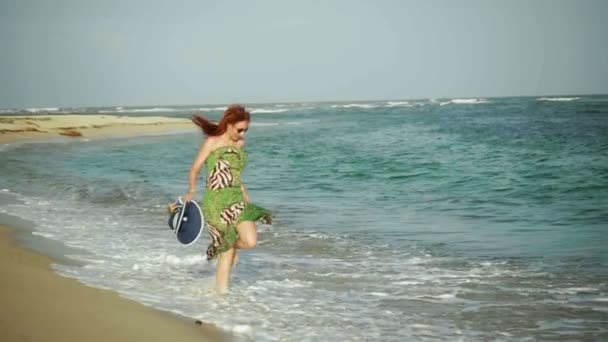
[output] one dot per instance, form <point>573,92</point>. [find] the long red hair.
<point>233,114</point>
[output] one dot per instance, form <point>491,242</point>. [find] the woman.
<point>229,216</point>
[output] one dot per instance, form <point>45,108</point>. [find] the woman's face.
<point>238,130</point>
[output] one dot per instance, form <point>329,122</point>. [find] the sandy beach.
<point>39,305</point>
<point>44,127</point>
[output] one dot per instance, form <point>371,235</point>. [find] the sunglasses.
<point>241,130</point>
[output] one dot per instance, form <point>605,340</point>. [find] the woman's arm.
<point>241,143</point>
<point>195,169</point>
<point>244,192</point>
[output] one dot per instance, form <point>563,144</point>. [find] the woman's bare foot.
<point>222,290</point>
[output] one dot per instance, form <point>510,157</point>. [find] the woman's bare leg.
<point>248,235</point>
<point>248,238</point>
<point>222,273</point>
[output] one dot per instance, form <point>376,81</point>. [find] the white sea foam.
<point>446,296</point>
<point>268,110</point>
<point>46,235</point>
<point>398,104</point>
<point>242,329</point>
<point>282,289</point>
<point>316,235</point>
<point>282,109</point>
<point>406,282</point>
<point>285,283</point>
<point>463,101</point>
<point>558,99</point>
<point>468,101</point>
<point>139,110</point>
<point>355,105</point>
<point>37,110</point>
<point>264,124</point>
<point>574,290</point>
<point>212,109</point>
<point>150,110</point>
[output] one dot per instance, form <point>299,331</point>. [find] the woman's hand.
<point>246,197</point>
<point>189,196</point>
<point>245,194</point>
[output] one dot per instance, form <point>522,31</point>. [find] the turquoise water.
<point>430,219</point>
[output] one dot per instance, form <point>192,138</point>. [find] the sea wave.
<point>253,111</point>
<point>212,109</point>
<point>398,104</point>
<point>558,99</point>
<point>38,110</point>
<point>268,110</point>
<point>150,110</point>
<point>264,124</point>
<point>463,101</point>
<point>138,110</point>
<point>269,124</point>
<point>355,105</point>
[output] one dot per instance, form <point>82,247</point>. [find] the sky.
<point>70,53</point>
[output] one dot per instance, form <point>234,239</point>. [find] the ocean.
<point>435,219</point>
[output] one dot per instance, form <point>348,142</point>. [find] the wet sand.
<point>37,304</point>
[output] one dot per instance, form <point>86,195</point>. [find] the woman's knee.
<point>249,241</point>
<point>248,235</point>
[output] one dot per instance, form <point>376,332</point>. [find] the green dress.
<point>224,205</point>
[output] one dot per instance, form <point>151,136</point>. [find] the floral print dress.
<point>224,205</point>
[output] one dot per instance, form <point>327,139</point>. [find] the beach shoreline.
<point>78,127</point>
<point>41,305</point>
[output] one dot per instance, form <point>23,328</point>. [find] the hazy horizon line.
<point>246,103</point>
